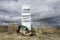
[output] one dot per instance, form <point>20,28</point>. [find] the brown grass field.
<point>9,33</point>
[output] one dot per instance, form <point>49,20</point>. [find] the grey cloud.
<point>46,8</point>
<point>40,9</point>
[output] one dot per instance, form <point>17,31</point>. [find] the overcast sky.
<point>12,7</point>
<point>41,8</point>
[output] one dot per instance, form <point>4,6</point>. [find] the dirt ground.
<point>15,36</point>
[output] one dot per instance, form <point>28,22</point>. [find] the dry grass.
<point>12,28</point>
<point>3,29</point>
<point>40,33</point>
<point>14,36</point>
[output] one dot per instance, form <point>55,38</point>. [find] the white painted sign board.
<point>26,16</point>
